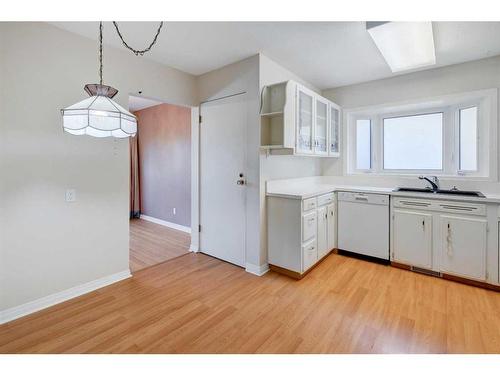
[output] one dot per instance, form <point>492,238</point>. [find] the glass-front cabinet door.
<point>334,130</point>
<point>304,122</point>
<point>321,127</point>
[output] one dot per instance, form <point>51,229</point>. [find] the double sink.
<point>435,189</point>
<point>442,191</point>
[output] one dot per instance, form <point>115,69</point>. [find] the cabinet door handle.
<point>423,224</point>
<point>449,248</point>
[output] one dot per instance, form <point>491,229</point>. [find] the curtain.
<point>135,196</point>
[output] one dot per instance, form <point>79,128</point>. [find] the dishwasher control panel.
<point>363,198</point>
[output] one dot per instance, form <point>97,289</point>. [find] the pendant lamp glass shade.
<point>99,116</point>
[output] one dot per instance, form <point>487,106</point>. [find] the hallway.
<point>152,243</point>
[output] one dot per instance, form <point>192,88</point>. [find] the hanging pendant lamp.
<point>98,115</point>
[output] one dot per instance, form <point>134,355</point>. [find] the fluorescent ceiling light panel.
<point>404,45</point>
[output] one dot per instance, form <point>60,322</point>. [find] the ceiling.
<point>136,103</point>
<point>326,54</point>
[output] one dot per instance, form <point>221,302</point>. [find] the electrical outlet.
<point>70,195</point>
<point>173,210</point>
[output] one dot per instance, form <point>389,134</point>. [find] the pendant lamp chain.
<point>135,51</point>
<point>100,53</point>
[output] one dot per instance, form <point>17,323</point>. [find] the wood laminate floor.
<point>198,304</point>
<point>152,243</point>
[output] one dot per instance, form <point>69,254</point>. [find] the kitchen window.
<point>363,144</point>
<point>413,142</point>
<point>447,136</point>
<point>468,139</point>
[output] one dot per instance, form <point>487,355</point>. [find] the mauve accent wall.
<point>165,162</point>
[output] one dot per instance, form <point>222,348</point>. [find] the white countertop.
<point>305,191</point>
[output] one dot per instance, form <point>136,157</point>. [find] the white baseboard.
<point>166,223</point>
<point>53,299</point>
<point>257,270</point>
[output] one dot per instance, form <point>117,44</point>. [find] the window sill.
<point>429,173</point>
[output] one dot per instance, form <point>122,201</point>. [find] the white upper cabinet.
<point>321,127</point>
<point>334,130</point>
<point>296,120</point>
<point>305,119</point>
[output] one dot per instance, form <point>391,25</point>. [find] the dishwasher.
<point>363,224</point>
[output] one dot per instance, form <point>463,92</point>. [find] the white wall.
<point>250,75</point>
<point>481,74</point>
<point>46,244</point>
<point>274,167</point>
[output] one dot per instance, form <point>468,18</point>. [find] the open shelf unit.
<point>277,117</point>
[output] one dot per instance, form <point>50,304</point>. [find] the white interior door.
<point>222,179</point>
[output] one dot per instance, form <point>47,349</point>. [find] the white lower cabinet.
<point>449,237</point>
<point>412,238</point>
<point>309,226</point>
<point>463,246</point>
<point>322,231</point>
<point>310,254</point>
<point>326,224</point>
<point>331,227</point>
<point>300,232</point>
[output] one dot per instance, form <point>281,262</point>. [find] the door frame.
<point>195,170</point>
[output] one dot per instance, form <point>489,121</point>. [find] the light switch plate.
<point>70,195</point>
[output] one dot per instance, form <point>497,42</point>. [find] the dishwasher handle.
<point>361,198</point>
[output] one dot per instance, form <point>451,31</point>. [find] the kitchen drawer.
<point>310,255</point>
<point>309,204</point>
<point>462,207</point>
<point>325,199</point>
<point>441,206</point>
<point>412,203</point>
<point>309,226</point>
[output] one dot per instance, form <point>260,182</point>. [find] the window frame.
<point>450,106</point>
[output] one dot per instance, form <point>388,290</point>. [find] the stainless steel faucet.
<point>433,180</point>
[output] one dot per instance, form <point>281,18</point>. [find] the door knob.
<point>240,182</point>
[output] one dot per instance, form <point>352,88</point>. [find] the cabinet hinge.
<point>199,119</point>
<point>199,228</point>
